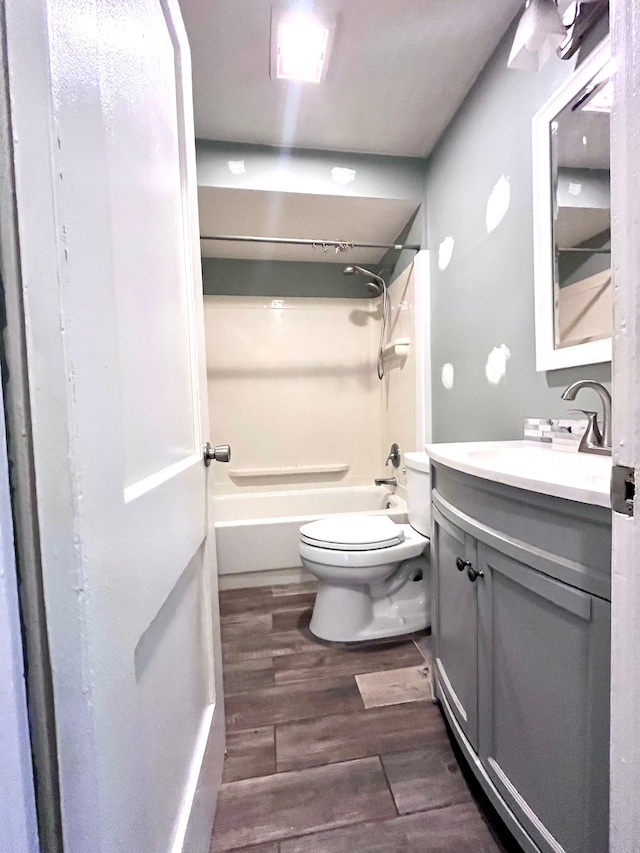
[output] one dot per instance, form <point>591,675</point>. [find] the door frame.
<point>422,336</point>
<point>21,476</point>
<point>625,580</point>
<point>18,820</point>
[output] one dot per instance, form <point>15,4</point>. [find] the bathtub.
<point>259,532</point>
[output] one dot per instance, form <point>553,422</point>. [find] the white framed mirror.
<point>572,219</point>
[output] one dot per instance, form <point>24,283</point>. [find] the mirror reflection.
<point>582,216</point>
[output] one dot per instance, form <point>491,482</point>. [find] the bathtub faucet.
<point>386,481</point>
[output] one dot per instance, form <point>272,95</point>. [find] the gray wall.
<point>394,263</point>
<point>234,277</point>
<point>308,171</point>
<point>485,296</point>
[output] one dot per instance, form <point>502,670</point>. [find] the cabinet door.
<point>455,621</point>
<point>543,694</point>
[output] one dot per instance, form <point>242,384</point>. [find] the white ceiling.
<point>398,71</point>
<point>298,216</point>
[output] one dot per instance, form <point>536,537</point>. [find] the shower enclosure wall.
<point>293,387</point>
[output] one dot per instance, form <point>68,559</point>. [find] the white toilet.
<point>374,574</point>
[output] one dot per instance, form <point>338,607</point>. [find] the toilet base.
<point>358,613</point>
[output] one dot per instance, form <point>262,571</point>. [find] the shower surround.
<point>293,388</point>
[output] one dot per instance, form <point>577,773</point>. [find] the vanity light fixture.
<point>300,45</point>
<point>580,18</point>
<point>543,32</point>
<point>538,37</point>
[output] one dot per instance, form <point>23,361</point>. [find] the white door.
<point>625,589</point>
<point>106,196</point>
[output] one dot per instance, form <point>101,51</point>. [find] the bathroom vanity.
<point>521,624</point>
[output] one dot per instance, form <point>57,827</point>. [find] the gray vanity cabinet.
<point>543,698</point>
<point>522,657</point>
<point>457,661</point>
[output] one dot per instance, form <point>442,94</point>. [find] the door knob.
<point>221,453</point>
<point>473,574</point>
<point>461,564</point>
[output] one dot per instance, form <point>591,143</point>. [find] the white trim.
<point>450,690</point>
<point>250,580</point>
<point>625,577</point>
<point>18,823</point>
<point>28,53</point>
<point>422,335</point>
<point>480,772</point>
<point>195,772</point>
<point>503,780</point>
<point>547,356</point>
<point>193,828</point>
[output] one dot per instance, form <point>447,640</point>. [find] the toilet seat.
<point>362,533</point>
<point>412,545</point>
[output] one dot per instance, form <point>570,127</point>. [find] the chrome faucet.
<point>386,481</point>
<point>394,456</point>
<point>593,440</point>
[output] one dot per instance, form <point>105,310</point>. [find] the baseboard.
<point>245,580</point>
<point>195,825</point>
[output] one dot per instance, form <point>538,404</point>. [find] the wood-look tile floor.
<point>318,762</point>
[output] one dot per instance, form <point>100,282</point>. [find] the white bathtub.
<point>259,532</point>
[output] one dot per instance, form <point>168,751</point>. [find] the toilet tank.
<point>418,491</point>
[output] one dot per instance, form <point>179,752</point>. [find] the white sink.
<point>582,477</point>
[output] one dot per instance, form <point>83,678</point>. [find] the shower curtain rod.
<point>338,245</point>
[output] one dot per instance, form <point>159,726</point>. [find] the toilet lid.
<point>352,533</point>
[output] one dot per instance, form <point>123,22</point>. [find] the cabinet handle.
<point>461,564</point>
<point>473,574</point>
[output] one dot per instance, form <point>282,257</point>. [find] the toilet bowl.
<point>374,574</point>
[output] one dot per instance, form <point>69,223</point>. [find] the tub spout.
<point>386,481</point>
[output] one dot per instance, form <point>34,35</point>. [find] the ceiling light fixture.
<point>300,45</point>
<point>538,37</point>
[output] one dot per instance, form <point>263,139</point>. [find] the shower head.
<point>376,287</point>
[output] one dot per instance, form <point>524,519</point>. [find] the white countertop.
<point>582,477</point>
